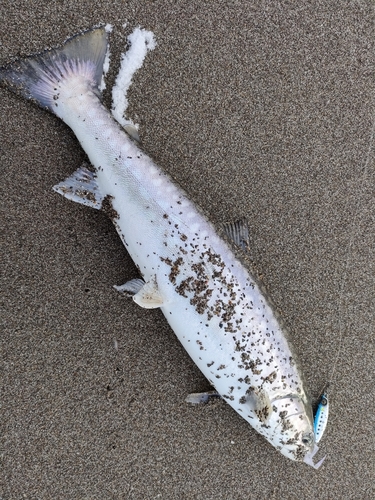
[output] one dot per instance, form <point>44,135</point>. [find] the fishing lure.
<point>321,416</point>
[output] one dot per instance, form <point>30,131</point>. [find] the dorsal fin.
<point>238,232</point>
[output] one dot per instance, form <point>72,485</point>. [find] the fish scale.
<point>209,298</point>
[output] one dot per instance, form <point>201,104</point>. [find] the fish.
<point>321,415</point>
<point>212,300</point>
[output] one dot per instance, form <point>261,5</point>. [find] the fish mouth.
<point>308,459</point>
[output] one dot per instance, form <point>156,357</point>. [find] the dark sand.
<point>258,109</point>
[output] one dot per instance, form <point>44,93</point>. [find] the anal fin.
<point>81,187</point>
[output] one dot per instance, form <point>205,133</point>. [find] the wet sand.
<point>258,109</point>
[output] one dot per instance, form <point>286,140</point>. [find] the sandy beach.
<point>263,110</point>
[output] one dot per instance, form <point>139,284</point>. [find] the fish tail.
<point>42,77</point>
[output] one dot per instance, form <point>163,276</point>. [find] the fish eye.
<point>307,438</point>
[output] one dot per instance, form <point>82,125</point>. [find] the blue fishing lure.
<point>321,416</point>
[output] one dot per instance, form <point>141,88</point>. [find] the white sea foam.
<point>140,41</point>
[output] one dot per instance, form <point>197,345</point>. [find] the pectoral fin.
<point>201,397</point>
<point>259,402</point>
<point>81,187</point>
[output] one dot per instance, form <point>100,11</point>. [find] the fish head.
<point>293,429</point>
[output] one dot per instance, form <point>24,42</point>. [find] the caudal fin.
<point>41,77</point>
